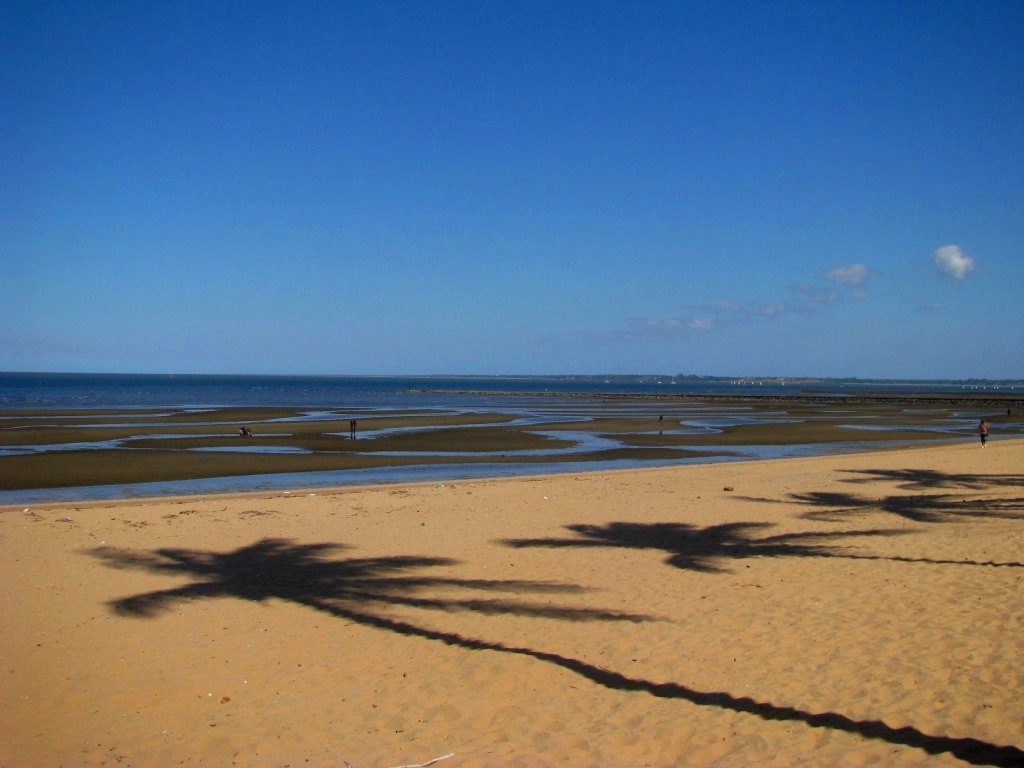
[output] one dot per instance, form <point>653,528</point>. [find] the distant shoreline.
<point>861,398</point>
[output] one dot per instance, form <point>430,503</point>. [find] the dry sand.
<point>834,611</point>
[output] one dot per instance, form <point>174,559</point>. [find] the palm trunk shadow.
<point>972,751</point>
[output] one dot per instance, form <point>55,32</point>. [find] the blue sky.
<point>732,188</point>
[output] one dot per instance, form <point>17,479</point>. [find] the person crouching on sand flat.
<point>983,433</point>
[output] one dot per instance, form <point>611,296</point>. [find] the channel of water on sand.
<point>310,482</point>
<point>680,418</point>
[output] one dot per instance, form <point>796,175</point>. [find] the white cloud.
<point>772,310</point>
<point>652,326</point>
<point>852,274</point>
<point>726,306</point>
<point>952,261</point>
<point>806,298</point>
<point>813,296</point>
<point>671,324</point>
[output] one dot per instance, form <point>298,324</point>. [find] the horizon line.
<point>686,376</point>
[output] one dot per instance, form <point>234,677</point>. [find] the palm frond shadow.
<point>356,589</point>
<point>933,507</point>
<point>835,506</point>
<point>301,573</point>
<point>928,479</point>
<point>705,549</point>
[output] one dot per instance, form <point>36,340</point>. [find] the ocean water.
<point>49,390</point>
<point>75,390</point>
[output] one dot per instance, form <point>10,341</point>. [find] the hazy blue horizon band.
<point>81,390</point>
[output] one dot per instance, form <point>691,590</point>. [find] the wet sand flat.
<point>854,610</point>
<point>61,449</point>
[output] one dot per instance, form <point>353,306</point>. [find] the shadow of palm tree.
<point>972,751</point>
<point>702,549</point>
<point>921,508</point>
<point>926,479</point>
<point>356,590</point>
<point>835,507</point>
<point>300,573</point>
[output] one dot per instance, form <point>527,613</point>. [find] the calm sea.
<point>75,390</point>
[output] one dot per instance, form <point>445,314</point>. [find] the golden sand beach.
<point>852,610</point>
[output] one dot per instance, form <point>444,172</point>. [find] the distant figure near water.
<point>352,429</point>
<point>245,432</point>
<point>983,433</point>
